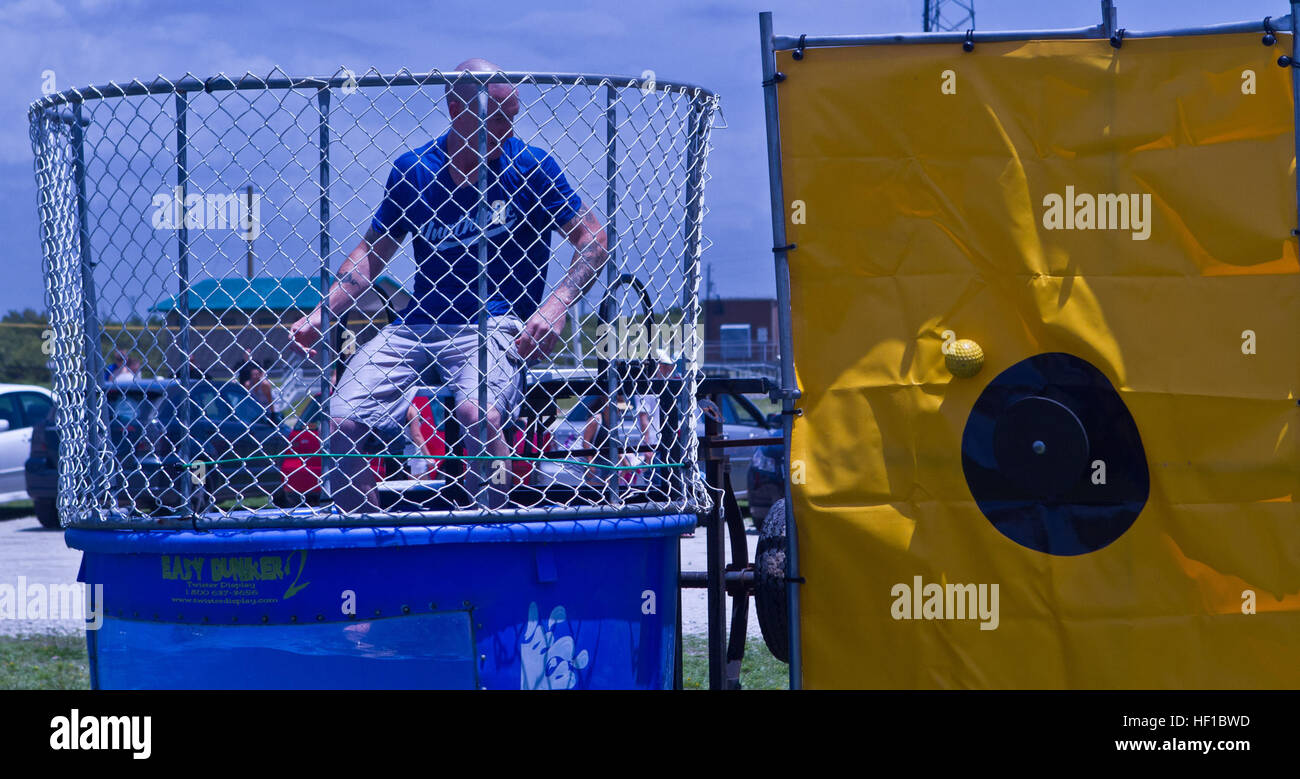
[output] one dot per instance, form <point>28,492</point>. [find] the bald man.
<point>432,194</point>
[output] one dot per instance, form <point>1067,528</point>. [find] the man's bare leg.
<point>491,494</point>
<point>352,480</point>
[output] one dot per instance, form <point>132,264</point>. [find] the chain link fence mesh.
<point>280,300</point>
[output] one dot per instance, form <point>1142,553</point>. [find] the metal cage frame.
<point>80,399</point>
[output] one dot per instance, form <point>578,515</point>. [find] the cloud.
<point>22,11</point>
<point>573,25</point>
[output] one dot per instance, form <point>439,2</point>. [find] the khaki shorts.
<point>382,377</point>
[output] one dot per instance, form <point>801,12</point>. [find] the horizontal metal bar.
<point>736,443</point>
<point>746,385</point>
<point>223,83</point>
<point>309,518</point>
<point>698,580</point>
<point>67,118</point>
<point>1280,24</point>
<point>589,387</point>
<point>789,42</point>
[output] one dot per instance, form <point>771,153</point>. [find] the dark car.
<point>765,480</point>
<point>147,423</point>
<point>128,406</point>
<point>221,424</point>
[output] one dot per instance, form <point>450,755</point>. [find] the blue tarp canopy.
<point>274,293</point>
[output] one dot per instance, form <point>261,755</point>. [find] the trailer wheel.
<point>769,583</point>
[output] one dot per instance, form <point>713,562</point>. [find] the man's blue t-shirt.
<point>420,199</point>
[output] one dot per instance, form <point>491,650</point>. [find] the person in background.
<point>648,416</point>
<point>114,368</point>
<point>253,379</point>
<point>129,372</point>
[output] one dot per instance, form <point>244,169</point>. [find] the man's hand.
<point>542,330</point>
<point>362,265</point>
<point>305,333</point>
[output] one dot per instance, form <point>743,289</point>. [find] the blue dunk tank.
<point>327,417</point>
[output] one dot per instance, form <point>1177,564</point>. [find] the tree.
<point>22,360</point>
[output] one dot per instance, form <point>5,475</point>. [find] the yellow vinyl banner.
<point>1046,318</point>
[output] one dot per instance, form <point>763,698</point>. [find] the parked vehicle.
<point>21,407</point>
<point>225,423</point>
<point>740,419</point>
<point>765,480</point>
<point>129,406</point>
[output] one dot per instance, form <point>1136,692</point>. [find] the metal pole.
<point>1295,92</point>
<point>183,271</point>
<point>716,551</point>
<point>484,214</point>
<point>90,307</point>
<point>715,463</point>
<point>326,347</point>
<point>789,389</point>
<point>685,426</point>
<point>248,211</point>
<point>611,379</point>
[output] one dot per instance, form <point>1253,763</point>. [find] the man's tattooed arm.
<point>360,269</point>
<point>542,330</point>
<point>587,235</point>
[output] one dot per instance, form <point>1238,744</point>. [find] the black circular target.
<point>1053,457</point>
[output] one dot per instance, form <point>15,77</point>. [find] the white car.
<point>21,407</point>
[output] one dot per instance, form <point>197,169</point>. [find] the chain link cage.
<point>374,299</point>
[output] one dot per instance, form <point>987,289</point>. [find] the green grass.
<point>758,671</point>
<point>44,662</point>
<point>58,662</point>
<point>17,509</point>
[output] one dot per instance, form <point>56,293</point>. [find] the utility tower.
<point>948,15</point>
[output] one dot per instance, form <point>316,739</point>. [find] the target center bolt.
<point>1039,447</point>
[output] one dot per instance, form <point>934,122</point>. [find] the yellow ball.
<point>964,358</point>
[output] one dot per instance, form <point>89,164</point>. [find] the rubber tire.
<point>769,583</point>
<point>47,512</point>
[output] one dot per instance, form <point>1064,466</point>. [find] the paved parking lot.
<point>39,556</point>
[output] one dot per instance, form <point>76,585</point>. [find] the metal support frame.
<point>716,554</point>
<point>187,96</point>
<point>90,310</point>
<point>1096,31</point>
<point>611,281</point>
<point>723,524</point>
<point>789,387</point>
<point>328,321</point>
<point>223,83</point>
<point>183,293</point>
<point>483,217</point>
<point>1294,24</point>
<point>771,43</point>
<point>717,603</point>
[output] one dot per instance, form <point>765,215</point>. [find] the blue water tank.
<point>589,603</point>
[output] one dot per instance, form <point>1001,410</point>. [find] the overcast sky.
<point>713,43</point>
